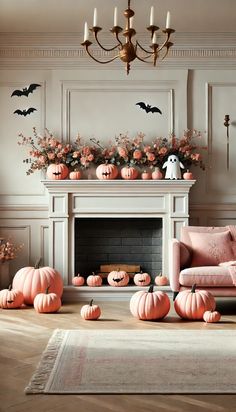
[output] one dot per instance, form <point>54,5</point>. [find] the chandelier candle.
<point>129,49</point>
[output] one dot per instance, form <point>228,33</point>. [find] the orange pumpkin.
<point>106,171</point>
<point>33,280</point>
<point>191,304</point>
<point>129,173</point>
<point>90,312</point>
<point>188,175</point>
<point>47,302</point>
<point>57,171</point>
<point>142,279</point>
<point>157,174</point>
<point>11,298</point>
<point>118,278</point>
<point>75,175</point>
<point>94,280</point>
<point>161,280</point>
<point>149,305</point>
<point>146,175</point>
<point>211,316</point>
<point>78,280</point>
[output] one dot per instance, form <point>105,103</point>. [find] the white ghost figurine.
<point>173,166</point>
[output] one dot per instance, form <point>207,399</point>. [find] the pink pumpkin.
<point>142,279</point>
<point>211,316</point>
<point>90,312</point>
<point>149,305</point>
<point>188,175</point>
<point>47,302</point>
<point>57,171</point>
<point>78,280</point>
<point>34,280</point>
<point>75,175</point>
<point>94,280</point>
<point>192,304</point>
<point>146,175</point>
<point>11,298</point>
<point>161,280</point>
<point>157,174</point>
<point>106,171</point>
<point>118,278</point>
<point>129,173</point>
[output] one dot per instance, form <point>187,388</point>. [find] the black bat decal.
<point>57,173</point>
<point>106,173</point>
<point>10,301</point>
<point>26,90</point>
<point>117,280</point>
<point>25,111</point>
<point>148,108</point>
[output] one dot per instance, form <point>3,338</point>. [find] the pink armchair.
<point>202,256</point>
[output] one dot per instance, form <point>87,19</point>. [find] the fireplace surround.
<point>71,201</point>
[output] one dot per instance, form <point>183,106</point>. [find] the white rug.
<point>137,361</point>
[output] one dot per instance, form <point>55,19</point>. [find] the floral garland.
<point>47,149</point>
<point>8,251</point>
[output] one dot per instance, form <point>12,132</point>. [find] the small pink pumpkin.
<point>188,175</point>
<point>94,280</point>
<point>90,312</point>
<point>157,174</point>
<point>118,278</point>
<point>142,279</point>
<point>146,175</point>
<point>47,302</point>
<point>57,171</point>
<point>161,280</point>
<point>129,173</point>
<point>78,280</point>
<point>75,175</point>
<point>106,171</point>
<point>11,298</point>
<point>211,316</point>
<point>149,305</point>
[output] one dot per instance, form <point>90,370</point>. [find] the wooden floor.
<point>24,335</point>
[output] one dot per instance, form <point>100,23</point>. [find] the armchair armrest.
<point>179,257</point>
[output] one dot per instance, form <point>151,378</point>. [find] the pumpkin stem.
<point>91,303</point>
<point>150,290</point>
<point>93,273</point>
<point>37,263</point>
<point>160,274</point>
<point>10,287</point>
<point>193,290</point>
<point>47,290</point>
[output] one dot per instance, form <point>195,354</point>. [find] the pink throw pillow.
<point>210,249</point>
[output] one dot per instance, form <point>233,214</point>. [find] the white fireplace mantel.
<point>68,199</point>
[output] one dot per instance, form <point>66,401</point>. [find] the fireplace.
<point>135,241</point>
<point>77,205</point>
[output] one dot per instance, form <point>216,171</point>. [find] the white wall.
<point>100,103</point>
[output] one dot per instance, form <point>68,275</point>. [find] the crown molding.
<point>63,51</point>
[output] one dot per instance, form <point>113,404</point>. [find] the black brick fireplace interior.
<point>118,240</point>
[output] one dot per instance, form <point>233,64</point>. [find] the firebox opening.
<point>101,241</point>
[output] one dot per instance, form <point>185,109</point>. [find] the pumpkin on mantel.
<point>118,278</point>
<point>78,280</point>
<point>57,171</point>
<point>106,171</point>
<point>94,280</point>
<point>129,173</point>
<point>161,280</point>
<point>142,279</point>
<point>34,280</point>
<point>11,298</point>
<point>75,175</point>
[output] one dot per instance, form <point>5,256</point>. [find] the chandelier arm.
<point>166,53</point>
<point>98,61</point>
<point>144,59</point>
<point>104,48</point>
<point>142,48</point>
<point>164,43</point>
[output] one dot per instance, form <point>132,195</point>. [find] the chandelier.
<point>129,50</point>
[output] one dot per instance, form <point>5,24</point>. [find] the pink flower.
<point>75,155</point>
<point>51,156</point>
<point>83,160</point>
<point>195,156</point>
<point>59,155</point>
<point>151,157</point>
<point>86,150</point>
<point>52,142</point>
<point>90,157</point>
<point>137,154</point>
<point>147,149</point>
<point>59,146</point>
<point>41,159</point>
<point>163,151</point>
<point>122,152</point>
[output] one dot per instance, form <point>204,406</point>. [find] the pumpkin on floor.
<point>118,278</point>
<point>106,171</point>
<point>78,280</point>
<point>192,304</point>
<point>142,279</point>
<point>161,280</point>
<point>90,312</point>
<point>11,298</point>
<point>34,280</point>
<point>211,316</point>
<point>149,305</point>
<point>47,302</point>
<point>57,171</point>
<point>94,280</point>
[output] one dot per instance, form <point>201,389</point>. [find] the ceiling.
<point>61,16</point>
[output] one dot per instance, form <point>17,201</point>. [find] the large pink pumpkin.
<point>149,305</point>
<point>192,304</point>
<point>57,171</point>
<point>34,280</point>
<point>106,171</point>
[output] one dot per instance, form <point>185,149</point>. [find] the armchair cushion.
<point>210,249</point>
<point>208,276</point>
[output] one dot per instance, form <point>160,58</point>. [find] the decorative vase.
<point>5,277</point>
<point>157,174</point>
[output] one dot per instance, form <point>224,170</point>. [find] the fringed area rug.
<point>137,361</point>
